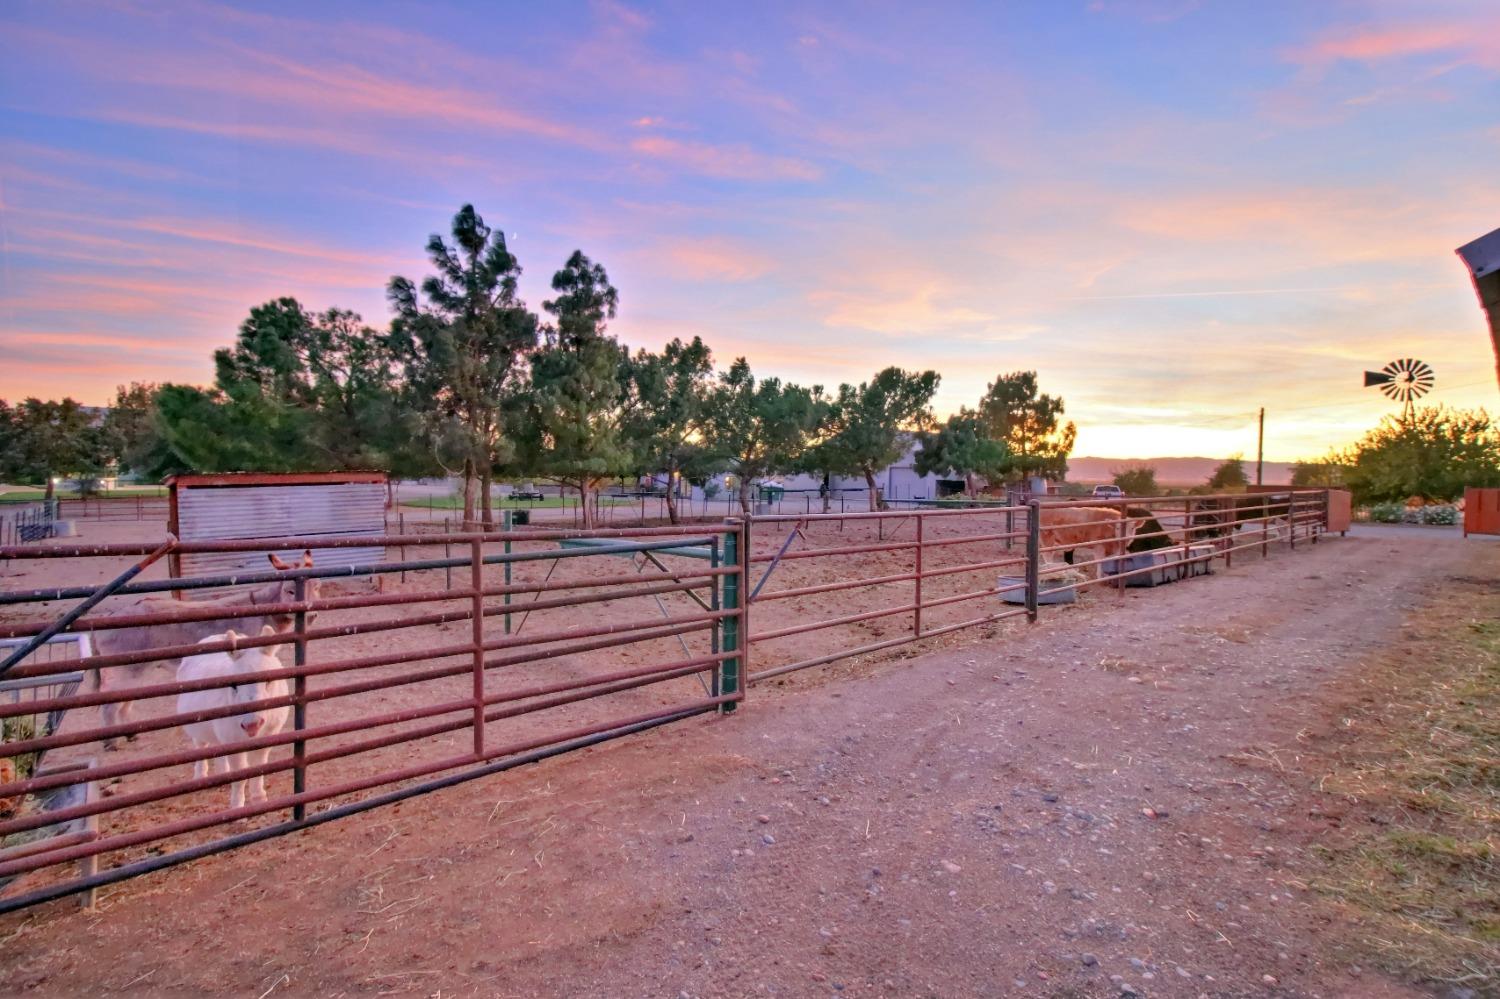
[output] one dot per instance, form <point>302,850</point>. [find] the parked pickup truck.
<point>1108,492</point>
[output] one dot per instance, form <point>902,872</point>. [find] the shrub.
<point>1388,513</point>
<point>1442,514</point>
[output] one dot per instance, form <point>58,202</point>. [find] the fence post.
<point>401,529</point>
<point>736,597</point>
<point>1122,532</point>
<point>299,703</point>
<point>476,579</point>
<point>1033,557</point>
<point>89,866</point>
<point>917,613</point>
<point>505,524</point>
<point>1291,518</point>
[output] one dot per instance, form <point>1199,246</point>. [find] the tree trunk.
<point>827,492</point>
<point>48,494</point>
<point>390,493</point>
<point>876,502</point>
<point>744,489</point>
<point>672,515</point>
<point>486,505</point>
<point>585,503</point>
<point>468,492</point>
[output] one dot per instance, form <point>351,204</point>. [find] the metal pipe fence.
<point>374,704</point>
<point>938,549</point>
<point>391,694</point>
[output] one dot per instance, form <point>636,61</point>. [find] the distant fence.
<point>152,508</point>
<point>28,524</point>
<point>393,694</point>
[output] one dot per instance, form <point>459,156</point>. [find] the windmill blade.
<point>1376,378</point>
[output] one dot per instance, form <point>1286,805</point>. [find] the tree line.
<point>467,380</point>
<point>1430,457</point>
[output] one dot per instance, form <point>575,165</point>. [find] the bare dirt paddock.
<point>1115,797</point>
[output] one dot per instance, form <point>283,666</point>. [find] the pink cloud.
<point>186,256</point>
<point>73,338</point>
<point>737,162</point>
<point>77,158</point>
<point>717,260</point>
<point>1477,42</point>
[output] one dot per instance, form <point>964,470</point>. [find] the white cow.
<point>230,729</point>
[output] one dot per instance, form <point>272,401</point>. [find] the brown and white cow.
<point>144,638</point>
<point>1068,528</point>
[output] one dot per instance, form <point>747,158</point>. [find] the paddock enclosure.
<point>457,655</point>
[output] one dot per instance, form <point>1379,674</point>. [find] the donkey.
<point>231,730</point>
<point>146,637</point>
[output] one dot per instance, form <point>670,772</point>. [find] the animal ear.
<point>276,561</point>
<point>269,629</point>
<point>307,558</point>
<point>233,638</point>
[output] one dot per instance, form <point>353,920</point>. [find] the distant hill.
<point>1171,471</point>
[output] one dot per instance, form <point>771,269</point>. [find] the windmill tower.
<point>1405,381</point>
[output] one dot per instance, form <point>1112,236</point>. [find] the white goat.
<point>231,729</point>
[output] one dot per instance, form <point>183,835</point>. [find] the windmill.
<point>1405,381</point>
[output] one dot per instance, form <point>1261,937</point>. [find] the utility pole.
<point>1260,446</point>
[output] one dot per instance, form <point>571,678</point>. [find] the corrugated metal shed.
<point>250,506</point>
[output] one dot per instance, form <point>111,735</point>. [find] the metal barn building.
<point>245,506</point>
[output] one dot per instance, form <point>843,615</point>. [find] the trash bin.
<point>520,517</point>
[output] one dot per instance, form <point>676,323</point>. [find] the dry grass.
<point>1425,761</point>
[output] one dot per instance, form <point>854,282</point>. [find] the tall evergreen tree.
<point>463,350</point>
<point>581,396</point>
<point>1030,424</point>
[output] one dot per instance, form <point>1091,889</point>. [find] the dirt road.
<point>1109,802</point>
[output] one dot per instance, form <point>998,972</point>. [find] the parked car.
<point>1108,492</point>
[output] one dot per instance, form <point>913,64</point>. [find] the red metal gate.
<point>1481,511</point>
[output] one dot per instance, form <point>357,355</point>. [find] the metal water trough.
<point>1153,568</point>
<point>1012,590</point>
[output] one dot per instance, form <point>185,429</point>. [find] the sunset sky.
<point>1175,211</point>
